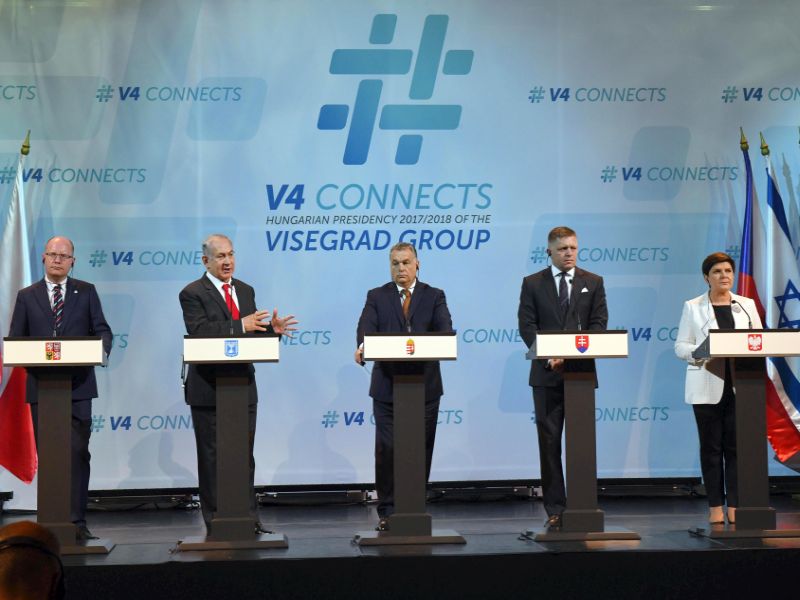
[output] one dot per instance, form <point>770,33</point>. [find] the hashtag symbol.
<point>733,252</point>
<point>539,254</point>
<point>98,422</point>
<point>7,174</point>
<point>330,418</point>
<point>609,174</point>
<point>536,95</point>
<point>104,93</point>
<point>98,258</point>
<point>729,94</point>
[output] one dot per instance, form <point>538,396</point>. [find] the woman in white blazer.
<point>709,383</point>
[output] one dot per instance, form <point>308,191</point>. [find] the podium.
<point>749,349</point>
<point>53,358</point>
<point>410,524</point>
<point>232,524</point>
<point>582,520</point>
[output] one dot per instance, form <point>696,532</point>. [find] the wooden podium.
<point>232,526</point>
<point>749,349</point>
<point>582,520</point>
<point>410,524</point>
<point>53,358</point>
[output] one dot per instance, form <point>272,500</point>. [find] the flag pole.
<point>17,445</point>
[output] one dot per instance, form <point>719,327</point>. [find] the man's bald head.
<point>29,563</point>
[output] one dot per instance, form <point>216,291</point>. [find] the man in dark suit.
<point>404,304</point>
<point>60,306</point>
<point>218,304</point>
<point>560,297</point>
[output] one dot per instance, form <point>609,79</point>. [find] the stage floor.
<point>321,536</point>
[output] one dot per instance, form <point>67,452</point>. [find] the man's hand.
<point>283,325</point>
<point>556,364</point>
<point>256,321</point>
<point>359,356</point>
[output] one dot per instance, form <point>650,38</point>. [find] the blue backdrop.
<point>317,134</point>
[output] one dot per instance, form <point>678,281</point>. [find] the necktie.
<point>229,302</point>
<point>563,293</point>
<point>406,302</point>
<point>58,307</point>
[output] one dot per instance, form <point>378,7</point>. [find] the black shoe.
<point>383,524</point>
<point>82,534</point>
<point>259,530</point>
<point>553,523</point>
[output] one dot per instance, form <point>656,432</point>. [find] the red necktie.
<point>229,302</point>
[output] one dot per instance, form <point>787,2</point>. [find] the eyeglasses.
<point>55,255</point>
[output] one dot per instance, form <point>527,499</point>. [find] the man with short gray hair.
<point>218,304</point>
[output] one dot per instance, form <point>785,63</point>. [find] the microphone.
<point>230,309</point>
<point>183,373</point>
<point>710,314</point>
<point>749,320</point>
<point>577,316</point>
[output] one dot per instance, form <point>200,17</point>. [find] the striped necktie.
<point>58,306</point>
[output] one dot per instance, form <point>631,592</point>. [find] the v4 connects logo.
<point>395,117</point>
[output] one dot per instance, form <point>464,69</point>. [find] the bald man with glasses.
<point>60,306</point>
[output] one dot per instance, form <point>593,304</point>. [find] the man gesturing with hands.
<point>215,305</point>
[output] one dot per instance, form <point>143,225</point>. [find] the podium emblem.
<point>754,342</point>
<point>581,343</point>
<point>410,347</point>
<point>231,348</point>
<point>52,351</point>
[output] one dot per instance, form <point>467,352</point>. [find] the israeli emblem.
<point>754,342</point>
<point>52,351</point>
<point>410,347</point>
<point>581,343</point>
<point>231,348</point>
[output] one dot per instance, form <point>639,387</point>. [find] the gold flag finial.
<point>26,145</point>
<point>764,147</point>
<point>743,141</point>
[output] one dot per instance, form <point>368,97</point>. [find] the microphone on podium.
<point>740,305</point>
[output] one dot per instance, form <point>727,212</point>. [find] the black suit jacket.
<point>83,315</point>
<point>383,313</point>
<point>205,313</point>
<point>539,310</point>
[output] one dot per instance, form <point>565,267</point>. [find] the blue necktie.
<point>563,293</point>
